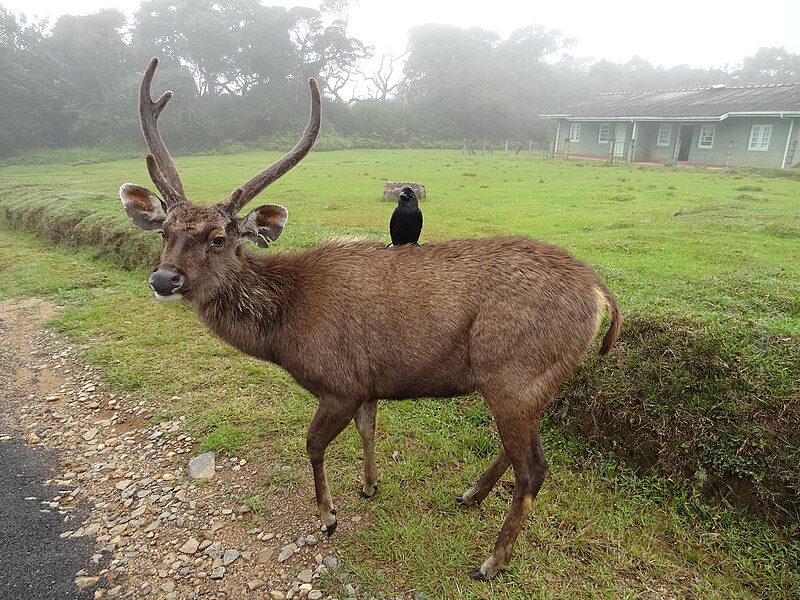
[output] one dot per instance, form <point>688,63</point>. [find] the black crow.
<point>406,222</point>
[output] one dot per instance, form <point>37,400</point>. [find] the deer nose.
<point>166,282</point>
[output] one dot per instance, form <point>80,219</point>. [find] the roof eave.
<point>722,117</point>
<point>634,118</point>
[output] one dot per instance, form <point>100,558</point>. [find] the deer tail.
<point>616,320</point>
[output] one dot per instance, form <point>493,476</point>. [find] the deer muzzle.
<point>167,284</point>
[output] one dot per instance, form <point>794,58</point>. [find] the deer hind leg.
<point>524,449</point>
<point>330,419</point>
<point>478,492</point>
<point>365,420</point>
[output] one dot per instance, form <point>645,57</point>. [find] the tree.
<point>478,85</point>
<point>195,33</point>
<point>230,46</point>
<point>444,59</point>
<point>266,53</point>
<point>385,78</point>
<point>770,65</point>
<point>92,51</point>
<point>325,51</point>
<point>32,109</point>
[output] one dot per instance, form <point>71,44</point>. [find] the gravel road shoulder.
<point>151,530</point>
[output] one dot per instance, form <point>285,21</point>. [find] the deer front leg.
<point>331,418</point>
<point>365,419</point>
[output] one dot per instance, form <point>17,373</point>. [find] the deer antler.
<point>242,195</point>
<point>159,162</point>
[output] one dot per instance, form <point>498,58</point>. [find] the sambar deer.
<point>354,321</point>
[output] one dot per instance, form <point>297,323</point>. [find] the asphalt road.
<point>35,563</point>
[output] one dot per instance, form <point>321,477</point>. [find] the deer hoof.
<point>465,502</point>
<point>331,529</point>
<point>367,496</point>
<point>487,570</point>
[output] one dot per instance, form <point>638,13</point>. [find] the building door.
<point>684,143</point>
<point>620,138</point>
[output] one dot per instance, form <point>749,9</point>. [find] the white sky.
<point>700,33</point>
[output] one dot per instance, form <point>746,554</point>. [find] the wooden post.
<point>530,146</point>
<point>552,148</point>
<point>610,160</point>
<point>631,151</point>
<point>506,147</point>
<point>565,154</point>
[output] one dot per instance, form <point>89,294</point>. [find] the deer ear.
<point>264,224</point>
<point>146,209</point>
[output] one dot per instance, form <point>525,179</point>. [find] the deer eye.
<point>218,241</point>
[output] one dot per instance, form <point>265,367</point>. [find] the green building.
<point>717,126</point>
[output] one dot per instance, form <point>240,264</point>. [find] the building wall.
<point>588,146</point>
<point>646,143</point>
<point>737,129</point>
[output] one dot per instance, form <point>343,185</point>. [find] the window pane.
<point>706,136</point>
<point>664,134</point>
<point>759,137</point>
<point>765,134</point>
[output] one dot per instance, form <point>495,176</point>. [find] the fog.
<point>409,76</point>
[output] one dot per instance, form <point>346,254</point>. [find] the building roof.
<point>713,103</point>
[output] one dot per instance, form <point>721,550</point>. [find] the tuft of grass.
<point>259,509</point>
<point>719,401</point>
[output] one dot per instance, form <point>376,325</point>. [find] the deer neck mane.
<point>247,305</point>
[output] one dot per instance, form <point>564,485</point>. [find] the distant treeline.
<point>239,72</point>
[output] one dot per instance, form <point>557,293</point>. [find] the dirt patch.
<point>156,532</point>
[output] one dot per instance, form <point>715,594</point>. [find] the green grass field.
<point>673,462</point>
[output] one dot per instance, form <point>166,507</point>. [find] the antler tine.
<point>162,171</point>
<point>242,195</point>
<point>163,186</point>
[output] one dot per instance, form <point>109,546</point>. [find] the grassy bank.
<point>691,422</point>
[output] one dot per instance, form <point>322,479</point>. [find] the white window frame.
<point>575,132</point>
<point>760,134</point>
<point>706,140</point>
<point>604,127</point>
<point>662,129</point>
